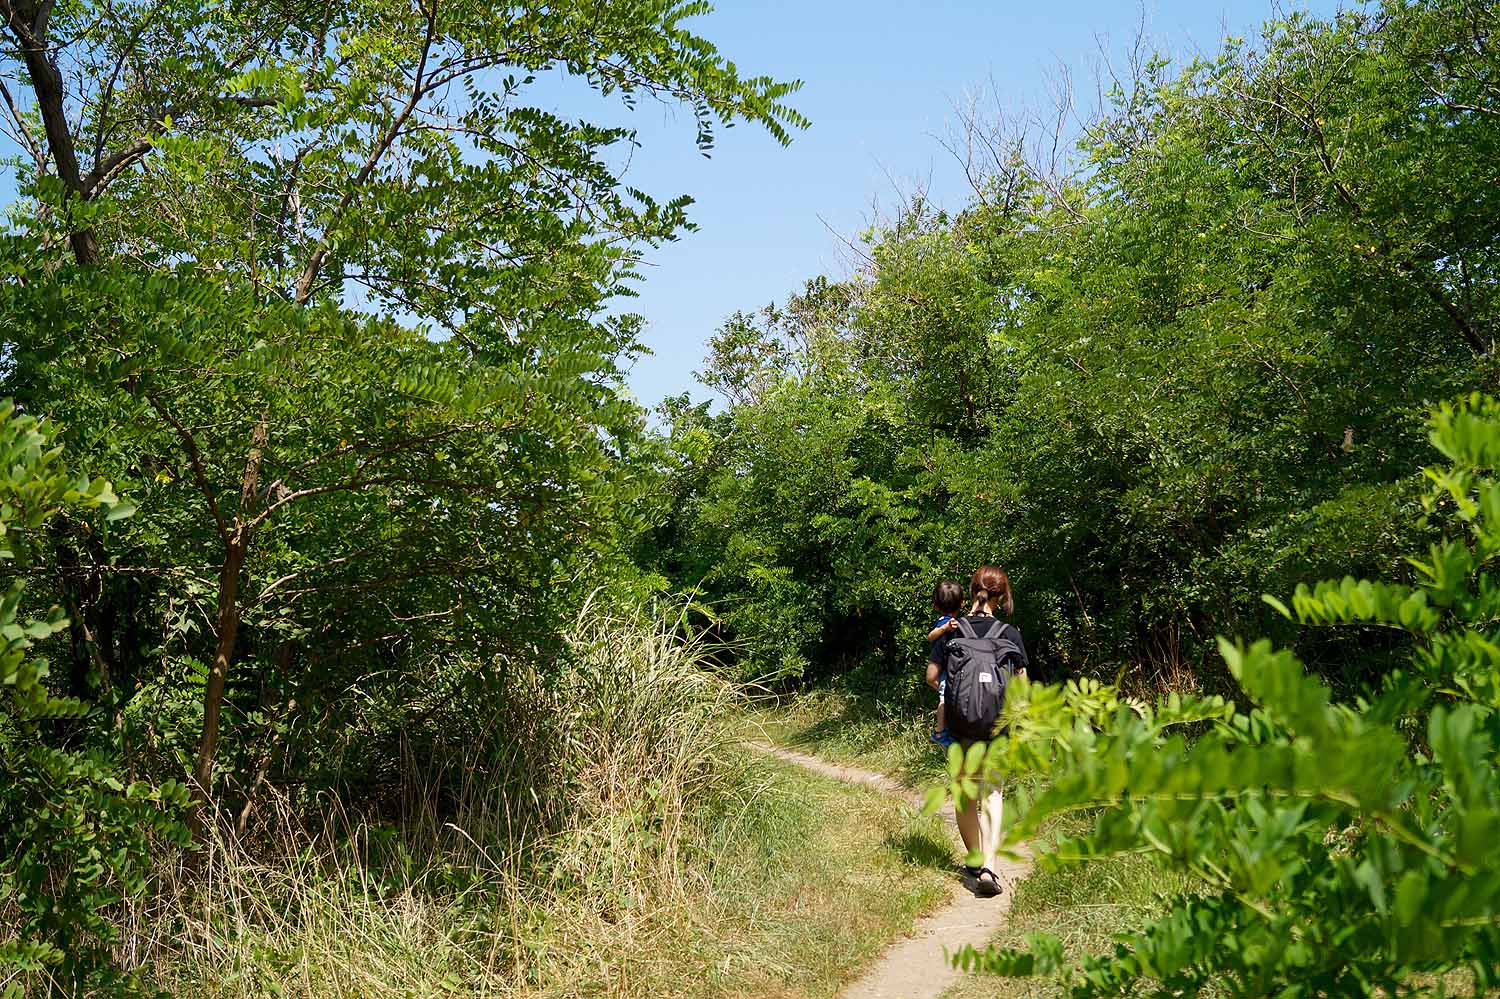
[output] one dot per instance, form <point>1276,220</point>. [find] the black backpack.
<point>979,669</point>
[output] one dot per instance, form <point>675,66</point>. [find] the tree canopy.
<point>1183,367</point>
<point>326,291</point>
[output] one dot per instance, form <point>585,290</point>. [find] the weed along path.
<point>917,967</point>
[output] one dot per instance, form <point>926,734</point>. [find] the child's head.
<point>947,597</point>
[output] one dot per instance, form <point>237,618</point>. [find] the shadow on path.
<point>919,847</point>
<point>862,728</point>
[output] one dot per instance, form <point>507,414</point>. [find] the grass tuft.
<point>892,739</point>
<point>600,831</point>
<point>1085,905</point>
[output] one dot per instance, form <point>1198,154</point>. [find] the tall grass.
<point>543,818</point>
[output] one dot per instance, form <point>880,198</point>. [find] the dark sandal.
<point>987,889</point>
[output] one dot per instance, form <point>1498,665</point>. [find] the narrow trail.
<point>917,967</point>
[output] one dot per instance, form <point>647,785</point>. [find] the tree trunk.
<point>213,691</point>
<point>236,547</point>
<point>29,26</point>
<point>84,596</point>
<point>272,742</point>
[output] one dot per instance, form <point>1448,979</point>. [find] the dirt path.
<point>917,967</point>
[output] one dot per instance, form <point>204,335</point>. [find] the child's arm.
<point>942,629</point>
<point>932,675</point>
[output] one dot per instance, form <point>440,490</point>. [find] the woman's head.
<point>991,587</point>
<point>948,598</point>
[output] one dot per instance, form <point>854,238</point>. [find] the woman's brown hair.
<point>991,583</point>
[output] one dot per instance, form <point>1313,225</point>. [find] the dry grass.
<point>787,896</point>
<point>597,833</point>
<point>892,739</point>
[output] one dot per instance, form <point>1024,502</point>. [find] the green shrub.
<point>497,806</point>
<point>1335,847</point>
<point>74,838</point>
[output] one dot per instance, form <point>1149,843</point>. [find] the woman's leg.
<point>968,816</point>
<point>990,814</point>
<point>979,827</point>
<point>979,823</point>
<point>968,828</point>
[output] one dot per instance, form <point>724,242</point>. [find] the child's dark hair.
<point>948,597</point>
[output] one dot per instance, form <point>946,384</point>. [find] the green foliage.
<point>328,293</point>
<point>1186,367</point>
<point>1335,847</point>
<point>610,809</point>
<point>74,838</point>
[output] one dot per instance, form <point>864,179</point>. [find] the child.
<point>947,600</point>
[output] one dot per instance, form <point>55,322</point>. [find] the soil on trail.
<point>917,967</point>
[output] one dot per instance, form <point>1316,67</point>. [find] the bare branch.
<point>112,165</point>
<point>47,85</point>
<point>277,487</point>
<point>195,461</point>
<point>355,485</point>
<point>307,280</point>
<point>38,152</point>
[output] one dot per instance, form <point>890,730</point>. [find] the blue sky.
<point>881,79</point>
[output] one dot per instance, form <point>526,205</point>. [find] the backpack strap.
<point>995,629</point>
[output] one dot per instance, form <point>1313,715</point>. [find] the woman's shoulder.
<point>1001,624</point>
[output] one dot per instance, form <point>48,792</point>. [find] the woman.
<point>991,593</point>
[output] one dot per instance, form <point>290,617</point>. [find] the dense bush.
<point>76,839</point>
<point>543,814</point>
<point>326,291</point>
<point>1189,367</point>
<point>1335,847</point>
